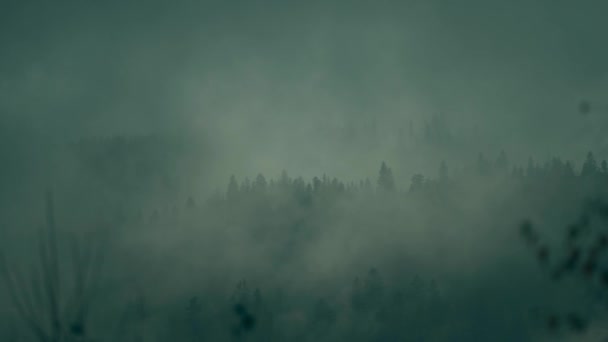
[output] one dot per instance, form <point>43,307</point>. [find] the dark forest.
<point>317,171</point>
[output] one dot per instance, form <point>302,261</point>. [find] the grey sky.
<point>262,79</point>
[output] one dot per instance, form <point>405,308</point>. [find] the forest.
<point>303,171</point>
<point>473,254</point>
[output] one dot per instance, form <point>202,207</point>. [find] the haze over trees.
<point>401,170</point>
<point>285,258</point>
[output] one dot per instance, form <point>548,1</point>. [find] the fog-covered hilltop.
<point>435,257</point>
<point>336,170</point>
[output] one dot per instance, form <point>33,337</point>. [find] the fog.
<point>328,170</point>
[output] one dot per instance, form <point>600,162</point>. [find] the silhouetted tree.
<point>233,188</point>
<point>316,184</point>
<point>589,166</point>
<point>568,169</point>
<point>284,180</point>
<point>324,317</point>
<point>246,186</point>
<point>417,182</point>
<point>260,183</point>
<point>386,181</point>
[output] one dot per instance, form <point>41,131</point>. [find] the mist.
<point>320,171</point>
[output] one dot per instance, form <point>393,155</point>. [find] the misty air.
<point>303,171</point>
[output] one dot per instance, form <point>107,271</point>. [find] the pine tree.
<point>417,182</point>
<point>233,188</point>
<point>386,181</point>
<point>260,183</point>
<point>316,183</point>
<point>246,186</point>
<point>284,180</point>
<point>590,166</point>
<point>568,169</point>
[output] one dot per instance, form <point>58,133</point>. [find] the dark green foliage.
<point>585,244</point>
<point>279,228</point>
<point>590,167</point>
<point>417,182</point>
<point>386,181</point>
<point>233,188</point>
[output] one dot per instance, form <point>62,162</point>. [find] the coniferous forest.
<point>496,251</point>
<point>303,171</point>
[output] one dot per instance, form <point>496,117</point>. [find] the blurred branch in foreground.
<point>53,297</point>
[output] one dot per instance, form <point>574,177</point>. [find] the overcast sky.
<point>260,79</point>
